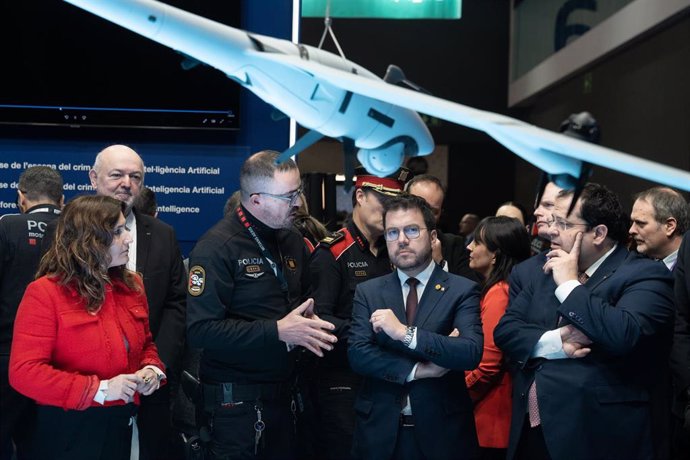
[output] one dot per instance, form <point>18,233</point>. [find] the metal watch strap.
<point>409,335</point>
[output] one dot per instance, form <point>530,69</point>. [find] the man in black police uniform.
<point>247,279</point>
<point>354,254</point>
<point>40,200</point>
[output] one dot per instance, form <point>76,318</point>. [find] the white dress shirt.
<point>423,280</point>
<point>131,224</point>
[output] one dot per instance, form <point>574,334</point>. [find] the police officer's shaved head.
<point>259,169</point>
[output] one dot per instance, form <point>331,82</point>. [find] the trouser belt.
<point>406,420</point>
<point>233,393</point>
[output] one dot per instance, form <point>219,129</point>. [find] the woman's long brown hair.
<point>79,255</point>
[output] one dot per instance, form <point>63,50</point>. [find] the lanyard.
<point>264,252</point>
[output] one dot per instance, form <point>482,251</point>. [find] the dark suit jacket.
<point>523,273</point>
<point>597,407</point>
<point>444,423</point>
<point>160,262</point>
<point>457,255</point>
<point>680,353</point>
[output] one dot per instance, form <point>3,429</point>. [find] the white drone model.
<point>373,117</point>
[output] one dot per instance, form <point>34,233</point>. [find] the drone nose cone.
<point>384,161</point>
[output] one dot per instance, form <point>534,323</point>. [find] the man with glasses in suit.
<point>414,332</point>
<point>588,335</point>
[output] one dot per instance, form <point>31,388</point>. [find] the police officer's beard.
<point>290,217</point>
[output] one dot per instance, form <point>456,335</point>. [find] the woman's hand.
<point>123,387</point>
<point>149,381</point>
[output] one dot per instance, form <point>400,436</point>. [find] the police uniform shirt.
<point>20,252</point>
<point>235,299</point>
<point>337,266</point>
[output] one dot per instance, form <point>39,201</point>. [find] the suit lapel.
<point>544,303</point>
<point>607,268</point>
<point>392,297</point>
<point>431,296</point>
<point>143,242</point>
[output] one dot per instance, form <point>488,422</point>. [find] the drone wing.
<point>550,151</point>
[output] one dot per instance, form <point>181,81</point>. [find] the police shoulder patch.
<point>334,237</point>
<point>197,280</point>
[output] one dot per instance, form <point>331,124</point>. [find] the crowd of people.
<point>386,339</point>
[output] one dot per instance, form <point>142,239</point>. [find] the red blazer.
<point>60,352</point>
<point>489,384</point>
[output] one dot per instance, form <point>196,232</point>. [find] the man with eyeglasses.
<point>589,336</point>
<point>353,254</point>
<point>248,311</point>
<point>414,332</point>
<point>118,172</point>
<point>581,126</point>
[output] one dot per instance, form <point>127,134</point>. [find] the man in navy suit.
<point>590,335</point>
<point>680,353</point>
<point>413,334</point>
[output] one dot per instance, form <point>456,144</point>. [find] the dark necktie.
<point>582,277</point>
<point>411,303</point>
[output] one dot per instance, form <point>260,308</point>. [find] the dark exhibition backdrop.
<point>639,94</point>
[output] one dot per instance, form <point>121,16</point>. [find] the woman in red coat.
<point>82,347</point>
<point>499,243</point>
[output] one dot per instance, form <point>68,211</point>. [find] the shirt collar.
<point>360,239</point>
<point>670,260</point>
<point>130,221</point>
<point>593,268</point>
<point>51,208</point>
<point>422,277</point>
<point>261,228</point>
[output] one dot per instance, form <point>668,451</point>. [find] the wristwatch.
<point>409,335</point>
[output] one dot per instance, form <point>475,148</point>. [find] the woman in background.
<point>82,346</point>
<point>515,210</point>
<point>309,227</point>
<point>499,244</point>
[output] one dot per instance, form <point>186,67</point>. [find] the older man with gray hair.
<point>659,220</point>
<point>118,172</point>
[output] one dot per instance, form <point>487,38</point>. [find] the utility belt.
<point>209,397</point>
<point>229,394</point>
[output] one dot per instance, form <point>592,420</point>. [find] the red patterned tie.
<point>533,405</point>
<point>411,303</point>
<point>532,401</point>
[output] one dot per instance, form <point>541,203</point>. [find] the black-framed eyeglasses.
<point>290,197</point>
<point>563,225</point>
<point>411,232</point>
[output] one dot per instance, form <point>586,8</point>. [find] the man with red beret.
<point>354,254</point>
